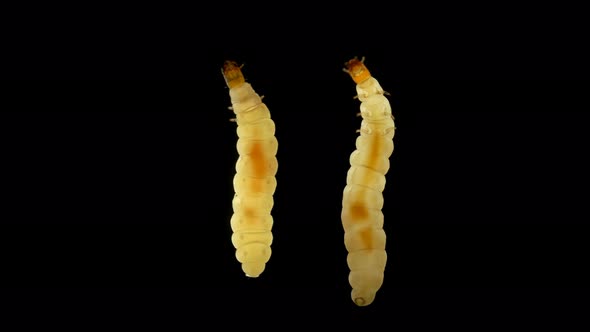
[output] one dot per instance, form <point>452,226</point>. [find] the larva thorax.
<point>245,100</point>
<point>368,88</point>
<point>375,108</point>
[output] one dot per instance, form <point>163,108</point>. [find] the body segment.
<point>254,182</point>
<point>362,200</point>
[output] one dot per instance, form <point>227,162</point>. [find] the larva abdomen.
<point>244,222</point>
<point>261,129</point>
<point>365,158</point>
<point>240,239</point>
<point>250,146</point>
<point>253,204</point>
<point>383,146</point>
<point>254,182</point>
<point>256,165</point>
<point>244,183</point>
<point>353,216</point>
<point>367,259</point>
<point>364,237</point>
<point>366,177</point>
<point>357,195</point>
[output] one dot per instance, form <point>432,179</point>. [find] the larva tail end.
<point>232,73</point>
<point>253,269</point>
<point>362,300</point>
<point>357,70</point>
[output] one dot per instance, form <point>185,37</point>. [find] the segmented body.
<point>254,181</point>
<point>362,201</point>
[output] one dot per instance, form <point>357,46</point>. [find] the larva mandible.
<point>254,182</point>
<point>362,200</point>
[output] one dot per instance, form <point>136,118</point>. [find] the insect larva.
<point>362,200</point>
<point>254,181</point>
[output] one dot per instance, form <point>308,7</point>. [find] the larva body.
<point>254,182</point>
<point>362,201</point>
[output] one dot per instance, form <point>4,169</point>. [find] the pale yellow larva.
<point>256,167</point>
<point>362,200</point>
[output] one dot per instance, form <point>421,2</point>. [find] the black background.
<point>118,156</point>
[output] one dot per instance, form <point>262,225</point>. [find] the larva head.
<point>232,74</point>
<point>357,70</point>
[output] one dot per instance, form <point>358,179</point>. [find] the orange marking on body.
<point>259,164</point>
<point>374,145</point>
<point>366,236</point>
<point>248,214</point>
<point>358,213</point>
<point>252,217</point>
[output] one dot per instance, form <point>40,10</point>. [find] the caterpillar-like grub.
<point>362,200</point>
<point>254,182</point>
